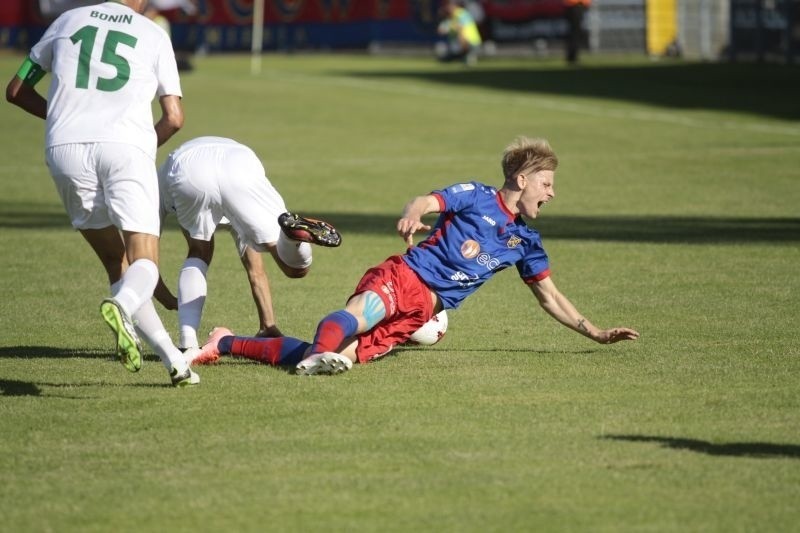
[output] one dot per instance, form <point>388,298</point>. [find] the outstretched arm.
<point>559,307</point>
<point>262,296</point>
<point>411,220</point>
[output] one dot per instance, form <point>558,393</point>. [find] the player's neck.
<point>508,199</point>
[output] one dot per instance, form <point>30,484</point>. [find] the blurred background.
<point>708,30</point>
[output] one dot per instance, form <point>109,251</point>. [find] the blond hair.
<point>527,154</point>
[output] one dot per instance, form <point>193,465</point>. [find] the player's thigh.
<point>250,201</point>
<point>193,186</point>
<point>75,177</point>
<point>129,180</point>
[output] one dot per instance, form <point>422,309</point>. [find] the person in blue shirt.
<point>480,231</point>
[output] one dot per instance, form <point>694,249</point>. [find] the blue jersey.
<point>475,237</point>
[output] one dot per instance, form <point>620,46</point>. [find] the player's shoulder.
<point>471,187</point>
<point>118,17</point>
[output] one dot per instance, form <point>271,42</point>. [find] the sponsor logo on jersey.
<point>470,249</point>
<point>460,276</point>
<point>488,261</point>
<point>514,241</point>
<point>489,219</point>
<point>462,187</point>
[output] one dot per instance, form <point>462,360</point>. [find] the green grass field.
<point>677,213</point>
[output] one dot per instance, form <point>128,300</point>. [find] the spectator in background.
<point>463,38</point>
<point>574,10</point>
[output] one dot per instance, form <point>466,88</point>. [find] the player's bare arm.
<point>21,92</point>
<point>171,117</point>
<point>559,307</point>
<point>411,220</point>
<point>262,295</point>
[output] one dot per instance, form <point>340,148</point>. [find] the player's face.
<point>537,192</point>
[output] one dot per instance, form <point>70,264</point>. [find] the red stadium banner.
<point>301,11</point>
<point>11,13</point>
<point>523,10</point>
<point>240,12</point>
<point>226,24</point>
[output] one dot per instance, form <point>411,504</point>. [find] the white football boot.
<point>323,363</point>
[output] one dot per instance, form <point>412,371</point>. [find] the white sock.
<point>136,286</point>
<point>192,290</point>
<point>296,254</point>
<point>152,330</point>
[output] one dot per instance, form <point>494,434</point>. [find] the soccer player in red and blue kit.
<point>480,232</point>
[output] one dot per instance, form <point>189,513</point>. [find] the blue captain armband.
<point>30,73</point>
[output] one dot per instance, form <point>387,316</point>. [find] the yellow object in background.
<point>662,25</point>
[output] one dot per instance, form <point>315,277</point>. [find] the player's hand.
<point>406,227</point>
<point>610,336</point>
<point>269,332</point>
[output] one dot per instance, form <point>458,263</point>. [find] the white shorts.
<point>104,184</point>
<point>214,183</point>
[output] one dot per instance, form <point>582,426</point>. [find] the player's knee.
<point>295,273</point>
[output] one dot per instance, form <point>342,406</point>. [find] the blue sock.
<point>225,343</point>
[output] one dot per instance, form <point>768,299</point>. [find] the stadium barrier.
<point>762,30</point>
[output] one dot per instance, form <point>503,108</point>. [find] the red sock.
<point>272,351</point>
<point>333,330</point>
<point>263,350</point>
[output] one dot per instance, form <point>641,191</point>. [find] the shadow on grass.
<point>52,352</point>
<point>32,215</point>
<point>12,387</point>
<point>733,449</point>
<point>397,350</point>
<point>656,229</point>
<point>767,90</point>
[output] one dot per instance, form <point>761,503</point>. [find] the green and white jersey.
<point>107,63</point>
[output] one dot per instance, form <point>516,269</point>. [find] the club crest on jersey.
<point>514,241</point>
<point>470,249</point>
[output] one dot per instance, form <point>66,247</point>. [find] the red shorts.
<point>408,306</point>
